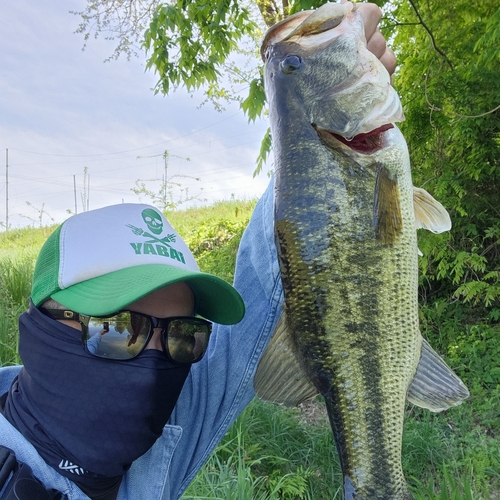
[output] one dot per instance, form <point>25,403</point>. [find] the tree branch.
<point>452,113</point>
<point>286,8</point>
<point>268,11</point>
<point>436,48</point>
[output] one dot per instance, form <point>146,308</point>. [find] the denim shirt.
<point>216,391</point>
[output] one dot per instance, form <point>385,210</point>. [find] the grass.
<point>275,453</point>
<point>187,221</point>
<point>271,453</point>
<point>15,288</point>
<point>18,241</point>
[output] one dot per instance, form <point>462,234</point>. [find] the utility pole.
<point>86,189</point>
<point>163,192</point>
<point>165,158</point>
<point>74,191</point>
<point>7,189</point>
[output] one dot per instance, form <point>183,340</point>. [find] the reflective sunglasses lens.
<point>187,339</point>
<point>121,336</point>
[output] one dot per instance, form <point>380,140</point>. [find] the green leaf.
<point>254,104</point>
<point>265,149</point>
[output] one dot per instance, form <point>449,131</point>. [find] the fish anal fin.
<point>280,377</point>
<point>435,385</point>
<point>429,213</point>
<point>387,217</point>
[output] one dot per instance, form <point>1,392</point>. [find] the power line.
<point>129,150</point>
<point>190,146</point>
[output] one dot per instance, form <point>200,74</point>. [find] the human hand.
<point>376,43</point>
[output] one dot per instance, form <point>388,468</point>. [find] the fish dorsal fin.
<point>435,386</point>
<point>429,213</point>
<point>280,377</point>
<point>387,217</point>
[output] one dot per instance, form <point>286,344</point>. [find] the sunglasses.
<point>125,334</point>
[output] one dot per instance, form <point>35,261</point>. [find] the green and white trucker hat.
<point>100,261</point>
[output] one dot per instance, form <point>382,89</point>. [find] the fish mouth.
<point>365,143</point>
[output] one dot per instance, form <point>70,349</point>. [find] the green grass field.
<point>277,453</point>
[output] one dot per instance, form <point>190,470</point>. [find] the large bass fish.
<point>346,215</point>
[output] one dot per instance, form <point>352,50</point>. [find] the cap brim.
<point>216,299</point>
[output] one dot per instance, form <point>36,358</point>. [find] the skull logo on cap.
<point>153,220</point>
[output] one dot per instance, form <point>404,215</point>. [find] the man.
<point>103,369</point>
<point>107,344</point>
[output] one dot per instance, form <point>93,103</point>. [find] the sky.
<point>64,111</point>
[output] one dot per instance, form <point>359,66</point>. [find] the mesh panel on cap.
<point>45,277</point>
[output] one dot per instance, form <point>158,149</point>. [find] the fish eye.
<point>290,64</point>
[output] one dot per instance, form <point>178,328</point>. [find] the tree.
<point>449,82</point>
<point>123,22</point>
<point>188,43</point>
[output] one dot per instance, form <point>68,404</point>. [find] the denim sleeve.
<point>221,385</point>
<point>93,343</point>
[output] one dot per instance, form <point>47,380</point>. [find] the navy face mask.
<point>88,417</point>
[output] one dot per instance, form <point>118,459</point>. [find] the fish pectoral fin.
<point>435,385</point>
<point>280,378</point>
<point>429,213</point>
<point>387,217</point>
